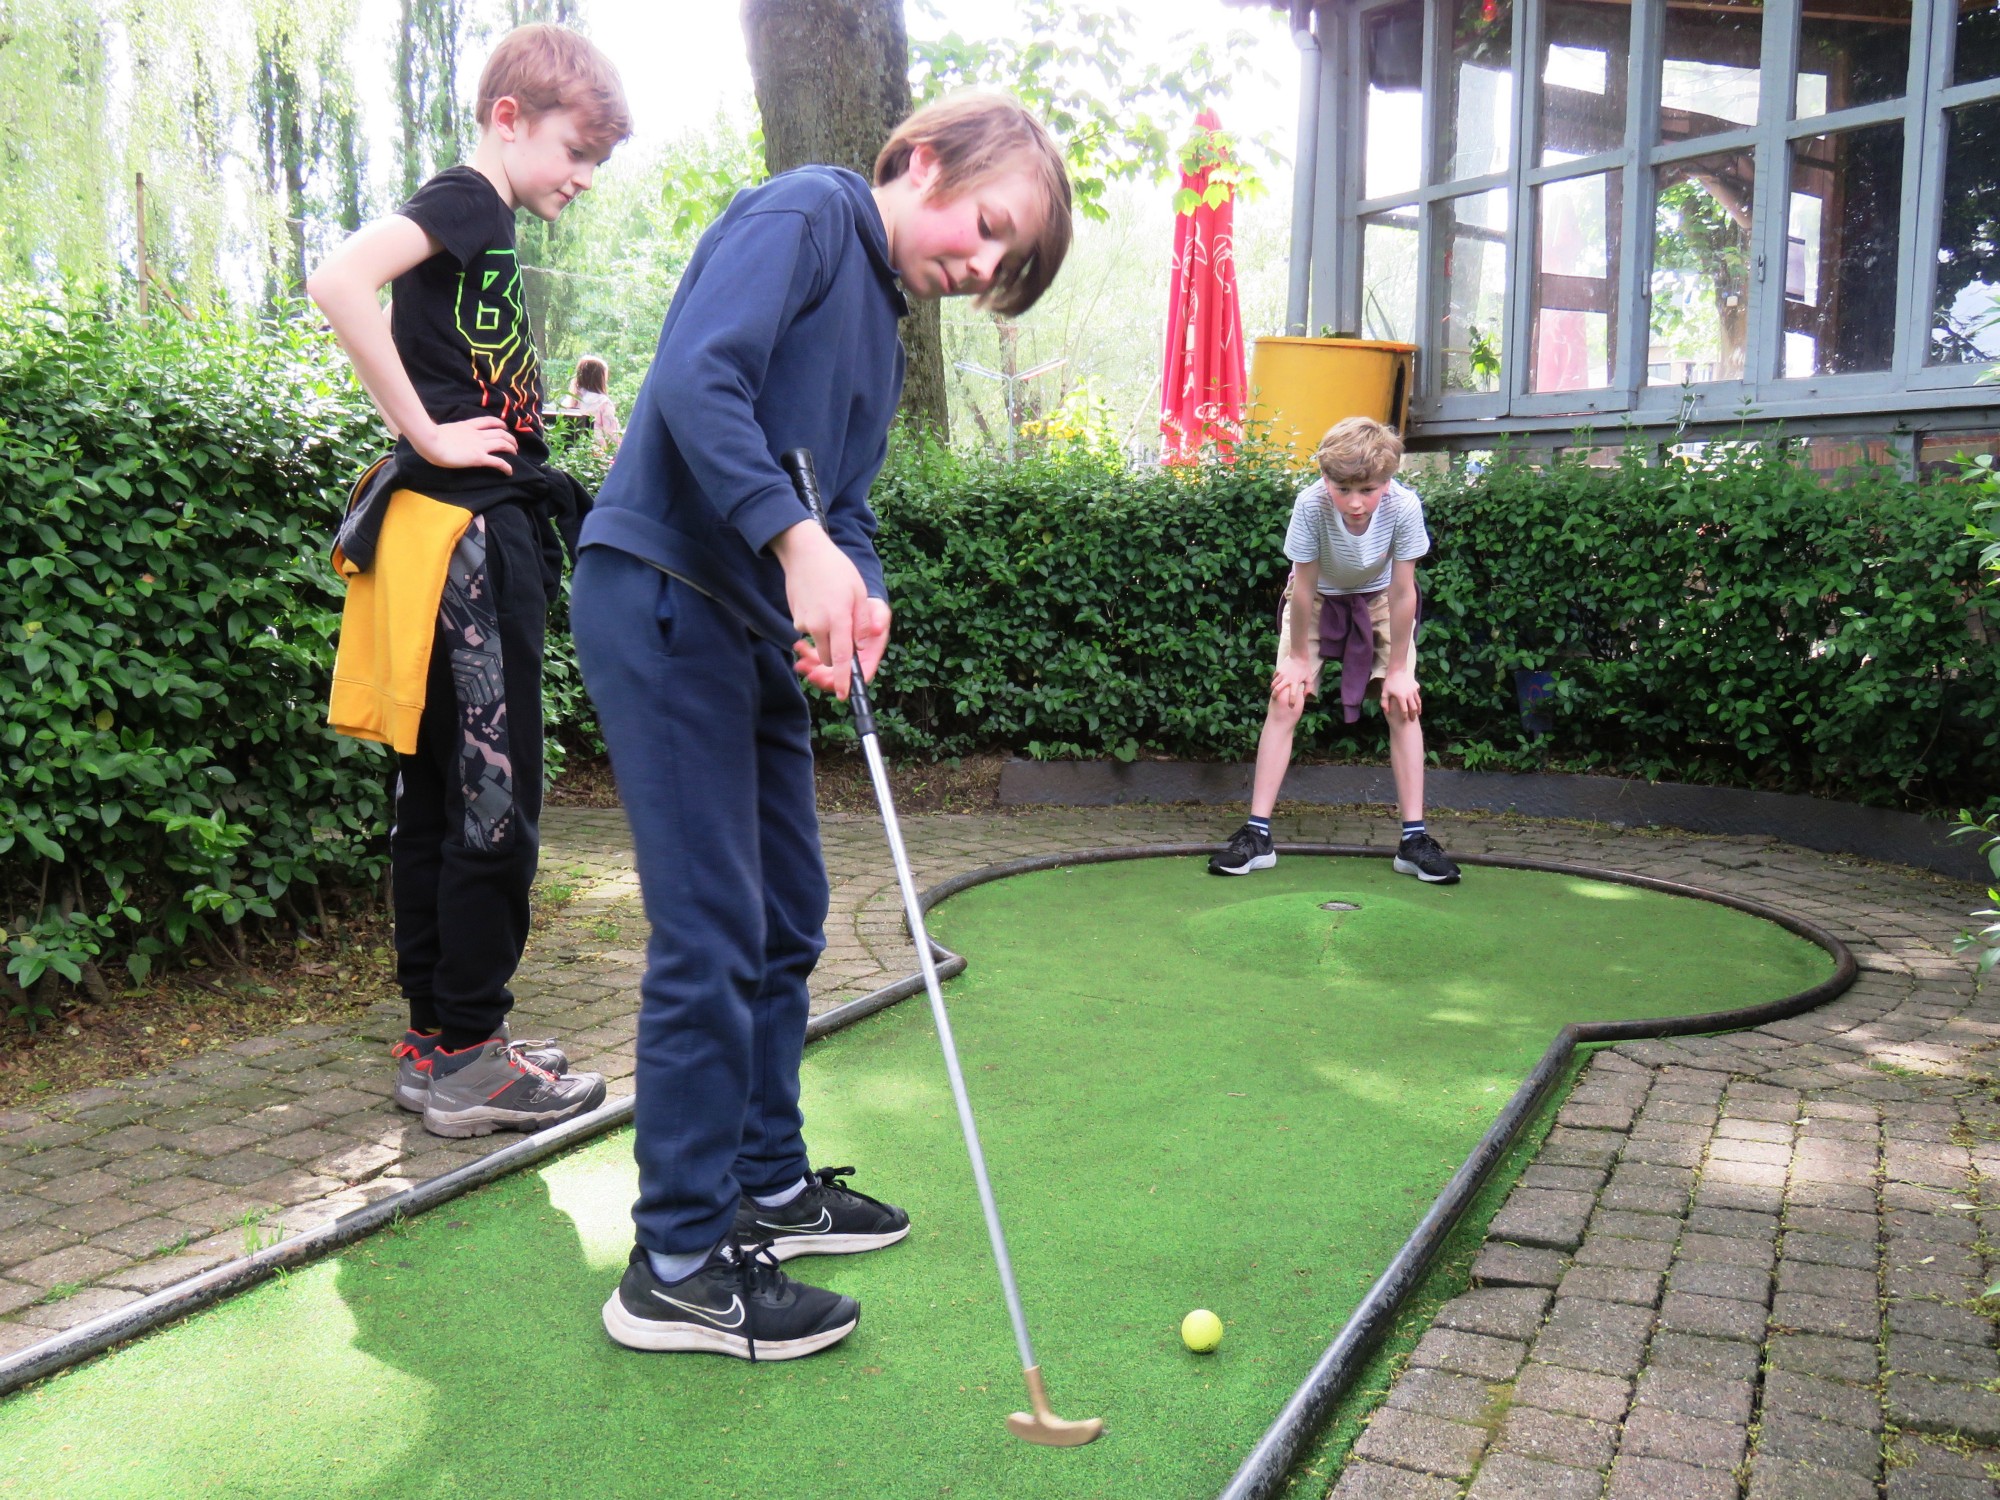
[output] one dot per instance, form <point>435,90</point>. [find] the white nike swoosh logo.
<point>724,1317</point>
<point>819,1225</point>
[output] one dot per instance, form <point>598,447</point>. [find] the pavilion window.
<point>1843,240</point>
<point>1702,265</point>
<point>1576,281</point>
<point>1965,309</point>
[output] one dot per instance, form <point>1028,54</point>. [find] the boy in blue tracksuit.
<point>703,591</point>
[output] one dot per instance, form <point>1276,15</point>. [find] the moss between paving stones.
<point>1194,1092</point>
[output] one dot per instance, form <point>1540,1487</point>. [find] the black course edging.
<point>1263,1472</point>
<point>1810,822</point>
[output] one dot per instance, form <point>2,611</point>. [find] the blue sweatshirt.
<point>782,335</point>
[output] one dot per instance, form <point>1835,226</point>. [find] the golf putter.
<point>1039,1425</point>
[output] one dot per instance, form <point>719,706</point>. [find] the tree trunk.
<point>833,79</point>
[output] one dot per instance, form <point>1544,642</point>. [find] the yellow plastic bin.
<point>1300,387</point>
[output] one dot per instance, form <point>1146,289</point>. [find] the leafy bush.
<point>167,489</point>
<point>1744,622</point>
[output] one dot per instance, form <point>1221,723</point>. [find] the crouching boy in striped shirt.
<point>1354,541</point>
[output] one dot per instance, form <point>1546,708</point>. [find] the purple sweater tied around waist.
<point>1347,635</point>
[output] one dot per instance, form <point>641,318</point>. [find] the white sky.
<point>684,59</point>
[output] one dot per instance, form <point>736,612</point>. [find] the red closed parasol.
<point>1203,383</point>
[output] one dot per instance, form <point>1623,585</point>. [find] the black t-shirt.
<point>461,329</point>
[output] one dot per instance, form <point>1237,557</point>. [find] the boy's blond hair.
<point>975,138</point>
<point>545,68</point>
<point>1359,453</point>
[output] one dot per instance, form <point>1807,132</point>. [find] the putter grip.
<point>798,463</point>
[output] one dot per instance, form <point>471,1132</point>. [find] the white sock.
<point>779,1199</point>
<point>677,1267</point>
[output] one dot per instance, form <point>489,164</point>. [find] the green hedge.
<point>167,489</point>
<point>1745,622</point>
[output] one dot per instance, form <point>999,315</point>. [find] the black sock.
<point>452,1040</point>
<point>423,1016</point>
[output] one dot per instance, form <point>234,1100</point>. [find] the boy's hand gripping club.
<point>1040,1425</point>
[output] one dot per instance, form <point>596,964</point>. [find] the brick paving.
<point>1745,1267</point>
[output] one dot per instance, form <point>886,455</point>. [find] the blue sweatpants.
<point>709,738</point>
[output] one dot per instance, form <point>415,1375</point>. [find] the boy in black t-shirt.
<point>451,577</point>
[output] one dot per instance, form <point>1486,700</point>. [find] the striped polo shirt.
<point>1350,564</point>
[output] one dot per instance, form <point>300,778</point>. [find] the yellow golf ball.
<point>1201,1330</point>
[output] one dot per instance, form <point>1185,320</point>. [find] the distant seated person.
<point>589,396</point>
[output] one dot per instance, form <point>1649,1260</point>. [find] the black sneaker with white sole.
<point>1246,850</point>
<point>739,1303</point>
<point>827,1218</point>
<point>1419,855</point>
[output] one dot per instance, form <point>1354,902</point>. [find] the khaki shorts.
<point>1378,615</point>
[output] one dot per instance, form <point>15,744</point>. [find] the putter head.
<point>1044,1426</point>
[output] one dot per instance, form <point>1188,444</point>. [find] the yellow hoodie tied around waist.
<point>389,622</point>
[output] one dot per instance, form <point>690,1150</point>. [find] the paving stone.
<point>1366,1481</point>
<point>1654,1432</point>
<point>1609,1284</point>
<point>1544,1217</point>
<point>1811,1440</point>
<point>1510,1476</point>
<point>1602,1398</point>
<point>1806,1395</point>
<point>1573,1179</point>
<point>1939,1406</point>
<point>1576,1442</point>
<point>1624,1254</point>
<point>1933,1321</point>
<point>1733,1224</point>
<point>1469,1354</point>
<point>1711,1278</point>
<point>1650,1190</point>
<point>1831,1250</point>
<point>1606,1337</point>
<point>1785,1479</point>
<point>1637,1478</point>
<point>1836,1317</point>
<point>78,1263</point>
<point>1414,1441</point>
<point>1440,1393</point>
<point>1517,1265</point>
<point>1812,1280</point>
<point>1937,1359</point>
<point>1859,1226</point>
<point>1727,1358</point>
<point>1635,1225</point>
<point>1503,1312</point>
<point>1829,1359</point>
<point>1697,1395</point>
<point>1713,1317</point>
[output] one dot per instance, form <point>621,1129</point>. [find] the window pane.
<point>1965,317</point>
<point>1851,60</point>
<point>1395,99</point>
<point>1473,232</point>
<point>1480,122</point>
<point>1708,72</point>
<point>1389,277</point>
<point>1842,235</point>
<point>1576,282</point>
<point>1976,54</point>
<point>1585,59</point>
<point>1701,270</point>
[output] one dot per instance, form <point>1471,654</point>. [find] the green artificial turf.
<point>1193,1092</point>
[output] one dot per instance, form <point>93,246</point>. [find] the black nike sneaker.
<point>739,1303</point>
<point>1419,855</point>
<point>1246,850</point>
<point>827,1218</point>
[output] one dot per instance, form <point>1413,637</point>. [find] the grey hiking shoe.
<point>499,1089</point>
<point>413,1064</point>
